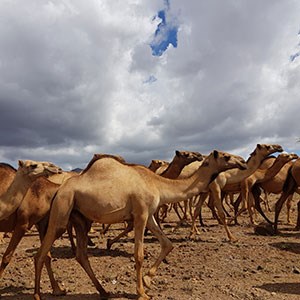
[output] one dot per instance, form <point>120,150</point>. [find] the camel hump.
<point>98,156</point>
<point>5,165</point>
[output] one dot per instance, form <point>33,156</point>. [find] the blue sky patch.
<point>166,32</point>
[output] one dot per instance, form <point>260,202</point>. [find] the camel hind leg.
<point>82,228</point>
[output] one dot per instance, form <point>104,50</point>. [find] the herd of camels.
<point>109,190</point>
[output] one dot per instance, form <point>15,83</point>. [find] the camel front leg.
<point>197,210</point>
<point>56,289</point>
<point>17,235</point>
<point>139,228</point>
<point>59,217</point>
<point>216,194</point>
<point>166,247</point>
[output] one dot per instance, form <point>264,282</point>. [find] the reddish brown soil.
<point>255,268</point>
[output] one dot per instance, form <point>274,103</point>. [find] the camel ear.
<point>21,163</point>
<point>258,146</point>
<point>177,153</point>
<point>216,154</point>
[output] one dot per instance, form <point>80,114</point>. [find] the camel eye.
<point>34,166</point>
<point>227,158</point>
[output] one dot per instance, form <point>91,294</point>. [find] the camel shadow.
<point>65,252</point>
<point>28,296</point>
<point>287,246</point>
<point>283,288</point>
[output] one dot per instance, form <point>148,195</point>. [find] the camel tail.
<point>290,184</point>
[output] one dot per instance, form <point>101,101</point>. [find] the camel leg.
<point>166,247</point>
<point>139,228</point>
<point>288,209</point>
<point>216,194</point>
<point>197,210</point>
<point>18,234</point>
<point>82,228</point>
<point>278,206</point>
<point>57,290</point>
<point>256,195</point>
<point>110,242</point>
<point>212,207</point>
<point>298,216</point>
<point>59,217</point>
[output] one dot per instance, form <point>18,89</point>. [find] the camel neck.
<point>175,190</point>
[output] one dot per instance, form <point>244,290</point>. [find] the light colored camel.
<point>112,192</point>
<point>267,170</point>
<point>179,161</point>
<point>229,181</point>
<point>28,171</point>
<point>158,166</point>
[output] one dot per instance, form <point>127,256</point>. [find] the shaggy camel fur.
<point>112,192</point>
<point>229,181</point>
<point>28,171</point>
<point>268,169</point>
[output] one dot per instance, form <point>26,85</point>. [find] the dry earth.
<point>256,267</point>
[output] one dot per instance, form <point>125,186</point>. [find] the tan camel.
<point>229,181</point>
<point>7,176</point>
<point>28,171</point>
<point>268,169</point>
<point>33,210</point>
<point>179,161</point>
<point>112,192</point>
<point>158,165</point>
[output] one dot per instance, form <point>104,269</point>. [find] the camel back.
<point>8,166</point>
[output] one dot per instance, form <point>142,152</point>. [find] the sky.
<point>142,79</point>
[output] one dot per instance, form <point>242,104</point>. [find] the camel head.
<point>157,163</point>
<point>189,156</point>
<point>267,149</point>
<point>286,157</point>
<point>224,161</point>
<point>37,168</point>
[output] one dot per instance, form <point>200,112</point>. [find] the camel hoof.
<point>147,281</point>
<point>59,292</point>
<point>108,244</point>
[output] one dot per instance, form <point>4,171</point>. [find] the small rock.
<point>296,270</point>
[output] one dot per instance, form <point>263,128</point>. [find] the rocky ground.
<point>256,267</point>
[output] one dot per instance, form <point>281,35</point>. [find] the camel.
<point>174,168</point>
<point>7,176</point>
<point>158,166</point>
<point>28,171</point>
<point>229,181</point>
<point>268,169</point>
<point>289,188</point>
<point>33,210</point>
<point>113,192</point>
<point>273,185</point>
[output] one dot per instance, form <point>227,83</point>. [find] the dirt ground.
<point>256,267</point>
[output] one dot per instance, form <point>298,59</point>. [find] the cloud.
<point>80,77</point>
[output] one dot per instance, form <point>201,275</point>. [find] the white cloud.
<point>73,79</point>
